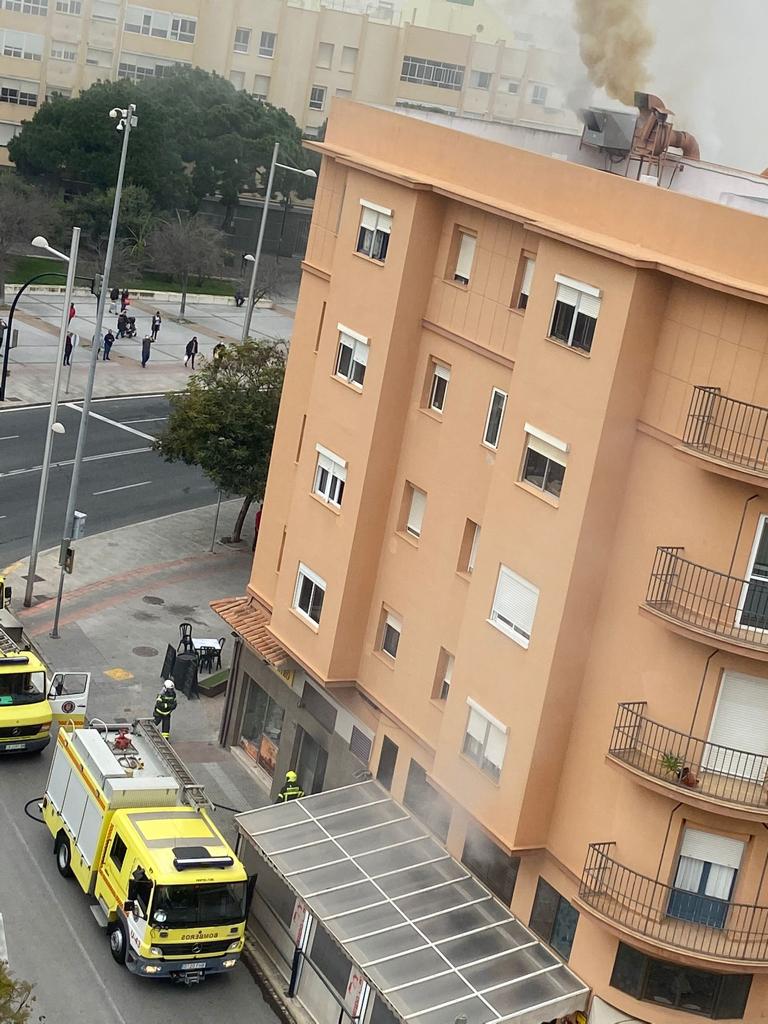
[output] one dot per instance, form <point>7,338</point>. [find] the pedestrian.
<point>146,346</point>
<point>239,297</point>
<point>165,705</point>
<point>156,322</point>
<point>191,351</point>
<point>256,525</point>
<point>122,324</point>
<point>125,298</point>
<point>72,312</point>
<point>109,340</point>
<point>67,350</point>
<point>114,297</point>
<point>291,790</point>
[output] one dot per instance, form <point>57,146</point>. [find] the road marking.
<point>10,437</point>
<point>152,419</point>
<point>118,674</point>
<point>70,462</point>
<point>3,943</point>
<point>125,487</point>
<point>113,423</point>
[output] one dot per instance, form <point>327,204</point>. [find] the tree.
<point>185,247</point>
<point>24,213</point>
<point>224,421</point>
<point>15,998</point>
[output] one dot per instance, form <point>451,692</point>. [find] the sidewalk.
<point>38,318</point>
<point>130,590</point>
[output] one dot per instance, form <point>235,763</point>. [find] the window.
<point>352,356</point>
<point>513,86</point>
<point>495,417</point>
<point>39,7</point>
<point>26,45</point>
<point>387,761</point>
<point>102,59</point>
<point>539,95</point>
<point>18,92</point>
<point>69,6</point>
<point>391,628</point>
<point>514,606</point>
<point>105,10</point>
<point>554,919</point>
<point>526,280</point>
<point>261,727</point>
<point>160,24</point>
<point>117,852</point>
<point>438,386</point>
<point>317,97</point>
<point>325,55</point>
<point>465,255</point>
<point>348,58</point>
<point>488,862</point>
<point>237,78</point>
<point>63,51</point>
<point>330,476</point>
<point>739,724</point>
<point>309,594</point>
<point>706,874</point>
<point>137,68</point>
<point>242,40</point>
<point>261,86</point>
<point>8,131</point>
<point>426,803</point>
<point>343,94</point>
<point>57,90</point>
<point>267,44</point>
<point>183,30</point>
<point>470,542</point>
<point>480,79</point>
<point>432,72</point>
<point>485,741</point>
<point>416,503</point>
<point>718,996</point>
<point>544,461</point>
<point>375,228</point>
<point>577,307</point>
<point>321,709</point>
<point>443,676</point>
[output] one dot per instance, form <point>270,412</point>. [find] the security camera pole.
<point>126,121</point>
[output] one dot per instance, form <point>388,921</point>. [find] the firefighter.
<point>165,705</point>
<point>291,790</point>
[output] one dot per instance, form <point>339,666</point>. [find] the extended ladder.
<point>8,646</point>
<point>194,793</point>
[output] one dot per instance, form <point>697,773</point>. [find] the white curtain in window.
<point>416,512</point>
<point>720,881</point>
<point>466,255</point>
<point>476,726</point>
<point>525,287</point>
<point>689,873</point>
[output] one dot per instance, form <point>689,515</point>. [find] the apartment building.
<point>295,55</point>
<point>513,552</point>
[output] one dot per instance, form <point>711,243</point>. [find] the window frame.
<point>359,345</point>
<point>434,73</point>
<point>470,542</point>
<point>475,75</point>
<point>494,445</point>
<point>584,292</point>
<point>539,94</point>
<point>459,257</point>
<point>479,757</point>
<point>265,50</point>
<point>318,583</point>
<point>380,231</point>
<point>315,103</point>
<point>441,687</point>
<point>513,630</point>
<point>414,497</point>
<point>69,7</point>
<point>329,65</point>
<point>63,49</point>
<point>335,469</point>
<point>537,919</point>
<point>441,378</point>
<point>552,450</point>
<point>118,861</point>
<point>525,275</point>
<point>393,622</point>
<point>240,47</point>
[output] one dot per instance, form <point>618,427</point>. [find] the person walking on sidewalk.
<point>109,340</point>
<point>165,705</point>
<point>146,347</point>
<point>67,350</point>
<point>191,351</point>
<point>114,297</point>
<point>156,323</point>
<point>125,298</point>
<point>72,312</point>
<point>291,790</point>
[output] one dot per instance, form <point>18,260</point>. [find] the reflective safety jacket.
<point>165,703</point>
<point>290,791</point>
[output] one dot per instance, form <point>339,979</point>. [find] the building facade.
<point>295,55</point>
<point>514,549</point>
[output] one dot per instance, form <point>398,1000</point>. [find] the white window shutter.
<point>547,450</point>
<point>712,848</point>
<point>466,255</point>
<point>739,729</point>
<point>525,287</point>
<point>496,746</point>
<point>369,218</point>
<point>416,511</point>
<point>568,295</point>
<point>473,548</point>
<point>384,223</point>
<point>360,353</point>
<point>476,726</point>
<point>448,673</point>
<point>515,601</point>
<point>442,372</point>
<point>589,305</point>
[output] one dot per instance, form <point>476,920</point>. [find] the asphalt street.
<point>53,940</point>
<point>122,481</point>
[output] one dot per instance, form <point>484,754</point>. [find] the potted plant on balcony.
<point>672,764</point>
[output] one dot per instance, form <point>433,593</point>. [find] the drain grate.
<point>150,599</point>
<point>145,652</point>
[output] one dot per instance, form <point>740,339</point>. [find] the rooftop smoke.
<point>615,41</point>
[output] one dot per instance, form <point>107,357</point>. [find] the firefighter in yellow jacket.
<point>291,790</point>
<point>165,705</point>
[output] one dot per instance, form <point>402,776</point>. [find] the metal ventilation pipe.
<point>686,142</point>
<point>654,133</point>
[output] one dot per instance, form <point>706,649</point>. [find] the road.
<point>54,941</point>
<point>122,481</point>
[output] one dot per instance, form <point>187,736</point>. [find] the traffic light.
<point>98,281</point>
<point>69,560</point>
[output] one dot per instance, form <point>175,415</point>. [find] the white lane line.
<point>151,419</point>
<point>10,437</point>
<point>125,487</point>
<point>70,462</point>
<point>113,423</point>
<point>3,943</point>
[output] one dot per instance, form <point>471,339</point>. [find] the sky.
<point>707,62</point>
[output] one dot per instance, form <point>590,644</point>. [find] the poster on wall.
<point>297,920</point>
<point>268,755</point>
<point>355,989</point>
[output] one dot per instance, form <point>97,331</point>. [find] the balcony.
<point>699,926</point>
<point>732,436</point>
<point>707,605</point>
<point>694,770</point>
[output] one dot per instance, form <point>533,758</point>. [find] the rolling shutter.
<point>465,256</point>
<point>712,849</point>
<point>525,287</point>
<point>567,295</point>
<point>739,728</point>
<point>416,512</point>
<point>441,371</point>
<point>589,305</point>
<point>515,603</point>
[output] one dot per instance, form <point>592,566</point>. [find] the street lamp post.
<point>41,243</point>
<point>126,121</point>
<point>256,257</point>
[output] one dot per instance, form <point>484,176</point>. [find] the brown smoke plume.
<point>614,41</point>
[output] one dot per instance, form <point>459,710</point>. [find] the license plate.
<point>14,746</point>
<point>193,967</point>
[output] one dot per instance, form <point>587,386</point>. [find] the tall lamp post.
<point>256,257</point>
<point>126,120</point>
<point>71,260</point>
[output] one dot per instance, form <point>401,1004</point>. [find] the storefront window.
<point>261,728</point>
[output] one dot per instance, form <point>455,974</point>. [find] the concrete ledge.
<point>220,300</point>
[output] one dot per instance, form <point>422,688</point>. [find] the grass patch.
<point>215,684</point>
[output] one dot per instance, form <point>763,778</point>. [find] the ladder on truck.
<point>8,646</point>
<point>194,792</point>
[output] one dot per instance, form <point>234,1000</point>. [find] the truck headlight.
<point>151,968</point>
<point>229,963</point>
<point>233,945</point>
<point>45,727</point>
<point>155,951</point>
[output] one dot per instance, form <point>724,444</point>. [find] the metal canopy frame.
<point>367,869</point>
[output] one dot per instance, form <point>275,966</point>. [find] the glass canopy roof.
<point>429,936</point>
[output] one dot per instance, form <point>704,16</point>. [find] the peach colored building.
<point>514,548</point>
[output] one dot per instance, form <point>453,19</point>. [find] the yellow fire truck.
<point>30,701</point>
<point>133,827</point>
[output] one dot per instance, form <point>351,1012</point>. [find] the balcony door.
<point>754,596</point>
<point>737,744</point>
<point>704,879</point>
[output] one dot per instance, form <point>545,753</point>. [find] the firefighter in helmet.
<point>165,705</point>
<point>291,790</point>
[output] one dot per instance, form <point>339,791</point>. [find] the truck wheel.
<point>118,941</point>
<point>63,856</point>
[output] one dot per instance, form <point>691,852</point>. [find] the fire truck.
<point>133,828</point>
<point>29,701</point>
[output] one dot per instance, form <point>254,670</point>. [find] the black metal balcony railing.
<point>696,766</point>
<point>721,605</point>
<point>677,918</point>
<point>732,431</point>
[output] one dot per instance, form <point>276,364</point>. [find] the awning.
<point>428,936</point>
<point>250,620</point>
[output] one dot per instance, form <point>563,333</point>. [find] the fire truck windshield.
<point>21,687</point>
<point>209,905</point>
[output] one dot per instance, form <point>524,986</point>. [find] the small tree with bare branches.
<point>187,248</point>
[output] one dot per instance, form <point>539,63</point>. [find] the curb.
<point>100,398</point>
<point>272,996</point>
